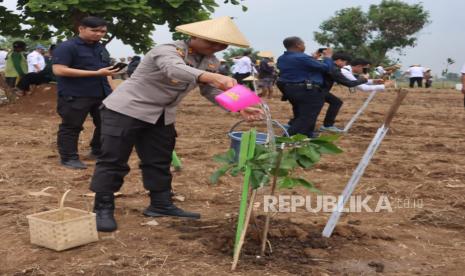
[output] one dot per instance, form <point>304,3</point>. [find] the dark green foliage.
<point>294,152</point>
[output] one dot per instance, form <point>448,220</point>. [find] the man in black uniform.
<point>340,60</point>
<point>81,65</point>
<point>302,81</point>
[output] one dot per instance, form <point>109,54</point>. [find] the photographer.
<point>360,67</point>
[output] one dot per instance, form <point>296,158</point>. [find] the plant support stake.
<point>358,173</point>
<point>360,111</point>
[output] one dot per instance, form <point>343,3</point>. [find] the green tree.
<point>235,52</point>
<point>132,21</point>
<point>391,25</point>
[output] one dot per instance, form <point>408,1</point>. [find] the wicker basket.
<point>62,228</point>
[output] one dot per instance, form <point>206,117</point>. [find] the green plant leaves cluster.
<point>295,152</point>
<point>132,21</point>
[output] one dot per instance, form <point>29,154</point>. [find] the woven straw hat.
<point>265,54</point>
<point>222,30</point>
<point>250,78</point>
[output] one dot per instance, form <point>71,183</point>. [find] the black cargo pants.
<point>154,144</point>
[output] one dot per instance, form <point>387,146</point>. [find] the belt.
<point>306,85</point>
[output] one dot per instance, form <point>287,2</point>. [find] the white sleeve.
<point>348,75</point>
<point>463,69</point>
<point>367,88</point>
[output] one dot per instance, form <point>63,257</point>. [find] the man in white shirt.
<point>242,67</point>
<point>416,74</point>
<point>3,54</point>
<point>360,67</point>
<point>35,60</point>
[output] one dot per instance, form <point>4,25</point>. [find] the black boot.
<point>104,208</point>
<point>162,205</point>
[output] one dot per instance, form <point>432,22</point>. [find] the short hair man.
<point>81,65</point>
<point>340,60</point>
<point>361,66</point>
<point>36,60</point>
<point>16,64</point>
<point>141,113</point>
<point>302,82</point>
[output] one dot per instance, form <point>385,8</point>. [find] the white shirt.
<point>35,58</point>
<point>416,71</point>
<point>463,69</point>
<point>369,86</point>
<point>242,65</point>
<point>3,55</point>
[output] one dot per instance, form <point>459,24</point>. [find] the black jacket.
<point>335,75</point>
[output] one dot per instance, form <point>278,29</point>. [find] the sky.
<point>268,22</point>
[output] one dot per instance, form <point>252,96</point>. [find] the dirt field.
<point>421,162</point>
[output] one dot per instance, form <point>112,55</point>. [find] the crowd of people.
<point>140,112</point>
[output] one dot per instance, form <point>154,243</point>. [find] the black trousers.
<point>73,112</point>
<point>240,79</point>
<point>335,105</point>
<point>32,78</point>
<point>418,80</point>
<point>154,144</point>
<point>306,106</point>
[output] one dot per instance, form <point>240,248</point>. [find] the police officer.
<point>81,65</point>
<point>301,80</point>
<point>141,113</point>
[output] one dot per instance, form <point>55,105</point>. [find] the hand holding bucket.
<point>237,98</point>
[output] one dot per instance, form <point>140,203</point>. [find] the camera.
<point>120,66</point>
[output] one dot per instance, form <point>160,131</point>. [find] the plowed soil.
<point>420,167</point>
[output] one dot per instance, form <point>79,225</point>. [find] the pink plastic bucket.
<point>237,98</point>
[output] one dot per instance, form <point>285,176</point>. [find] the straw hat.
<point>222,30</point>
<point>250,78</point>
<point>265,54</point>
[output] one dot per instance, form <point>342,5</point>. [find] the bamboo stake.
<point>268,215</point>
<point>237,251</point>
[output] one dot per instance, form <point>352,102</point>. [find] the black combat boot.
<point>104,208</point>
<point>161,205</point>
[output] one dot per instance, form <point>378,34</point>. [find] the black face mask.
<point>365,70</point>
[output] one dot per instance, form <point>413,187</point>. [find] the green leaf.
<point>305,162</point>
<point>310,152</point>
<point>288,162</point>
<point>244,8</point>
<point>299,138</point>
<point>214,178</point>
<point>286,183</point>
<point>306,184</point>
<point>327,138</point>
<point>258,178</point>
<point>226,158</point>
<point>328,148</point>
<point>175,3</point>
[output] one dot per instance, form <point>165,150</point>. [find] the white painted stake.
<point>357,174</point>
<point>360,111</point>
<point>350,187</point>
